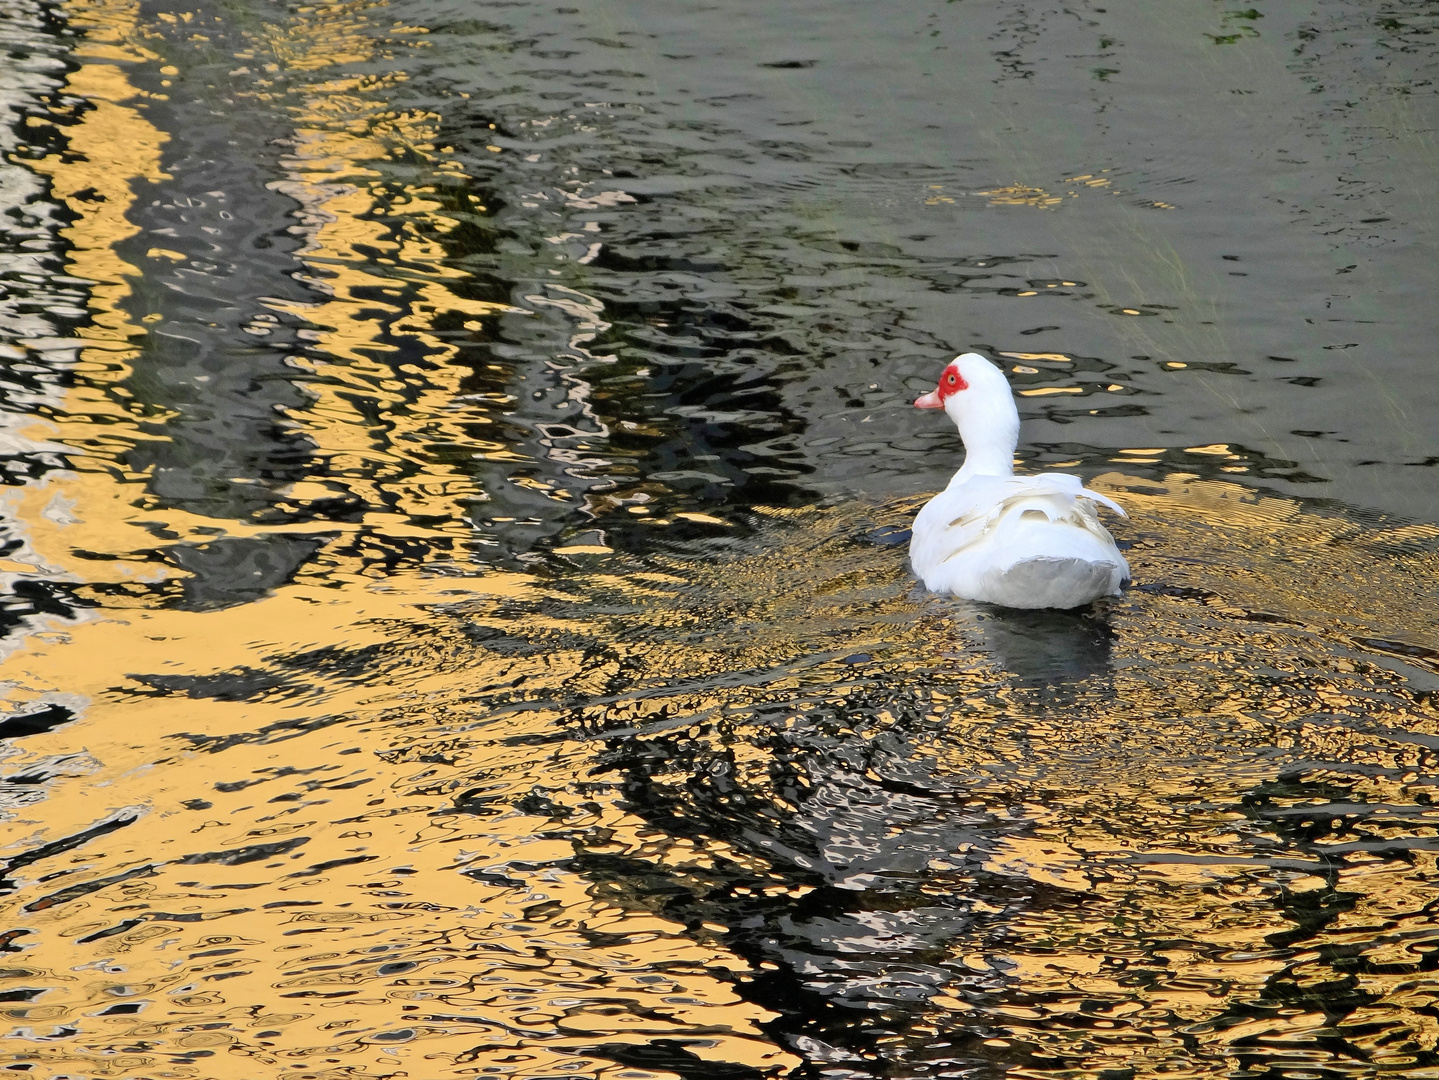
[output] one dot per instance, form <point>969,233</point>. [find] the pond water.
<point>458,458</point>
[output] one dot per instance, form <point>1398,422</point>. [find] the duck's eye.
<point>952,378</point>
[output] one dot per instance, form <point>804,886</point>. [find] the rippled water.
<point>456,610</point>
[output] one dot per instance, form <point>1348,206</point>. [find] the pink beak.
<point>929,400</point>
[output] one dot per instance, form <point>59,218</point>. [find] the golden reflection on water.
<point>340,831</point>
<point>160,961</point>
<point>287,885</point>
<point>310,894</point>
<point>111,147</point>
<point>343,125</point>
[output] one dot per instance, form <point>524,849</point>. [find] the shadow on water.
<point>1047,649</point>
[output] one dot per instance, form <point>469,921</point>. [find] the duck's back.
<point>1020,541</point>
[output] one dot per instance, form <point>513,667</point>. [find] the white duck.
<point>1019,541</point>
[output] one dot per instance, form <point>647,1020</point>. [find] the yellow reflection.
<point>277,884</point>
<point>369,236</point>
<point>1058,358</point>
<point>1046,391</point>
<point>1022,195</point>
<point>287,885</point>
<point>111,150</point>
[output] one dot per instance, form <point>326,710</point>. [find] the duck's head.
<point>977,397</point>
<point>968,385</point>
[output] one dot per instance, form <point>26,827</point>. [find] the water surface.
<point>456,610</point>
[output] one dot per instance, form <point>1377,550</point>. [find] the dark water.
<point>458,458</point>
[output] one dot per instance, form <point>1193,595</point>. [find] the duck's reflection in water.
<point>1044,649</point>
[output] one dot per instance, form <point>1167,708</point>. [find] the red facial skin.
<point>950,382</point>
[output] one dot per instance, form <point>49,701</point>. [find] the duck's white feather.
<point>1020,541</point>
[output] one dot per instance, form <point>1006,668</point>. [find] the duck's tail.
<point>1047,581</point>
<point>1054,564</point>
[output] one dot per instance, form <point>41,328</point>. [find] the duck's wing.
<point>1072,485</point>
<point>984,498</point>
<point>981,502</point>
<point>973,508</point>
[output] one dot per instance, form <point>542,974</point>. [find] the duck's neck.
<point>989,442</point>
